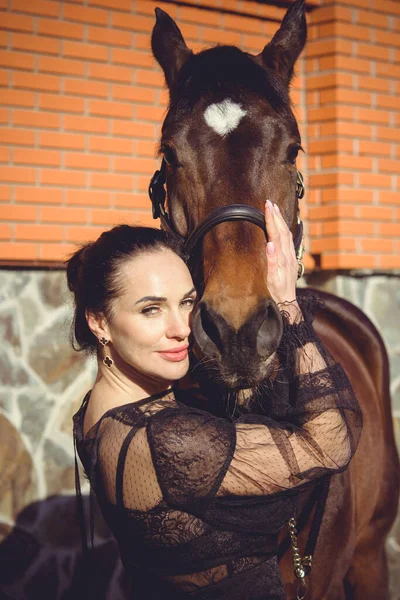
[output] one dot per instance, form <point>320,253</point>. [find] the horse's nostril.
<point>270,331</point>
<point>209,322</point>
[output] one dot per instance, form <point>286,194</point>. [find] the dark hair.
<point>92,273</point>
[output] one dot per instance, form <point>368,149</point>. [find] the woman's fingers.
<point>286,235</point>
<point>273,232</point>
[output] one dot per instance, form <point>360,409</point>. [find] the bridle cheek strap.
<point>222,214</point>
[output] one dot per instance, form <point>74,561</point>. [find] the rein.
<point>222,214</point>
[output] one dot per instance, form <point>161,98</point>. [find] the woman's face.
<point>149,327</point>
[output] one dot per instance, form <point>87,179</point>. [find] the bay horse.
<point>230,138</point>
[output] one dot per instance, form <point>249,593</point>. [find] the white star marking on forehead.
<point>224,117</point>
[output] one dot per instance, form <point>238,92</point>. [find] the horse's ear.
<point>168,46</point>
<point>285,47</point>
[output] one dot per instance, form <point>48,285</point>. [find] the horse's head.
<point>230,137</point>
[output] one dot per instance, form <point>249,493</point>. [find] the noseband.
<point>222,214</point>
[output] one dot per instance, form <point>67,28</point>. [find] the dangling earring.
<point>106,360</point>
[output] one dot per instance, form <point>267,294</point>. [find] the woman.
<point>195,501</point>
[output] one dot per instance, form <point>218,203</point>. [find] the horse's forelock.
<point>225,71</point>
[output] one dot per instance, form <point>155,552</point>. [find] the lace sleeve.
<point>316,429</point>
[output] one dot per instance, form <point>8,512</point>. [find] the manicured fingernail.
<point>271,248</point>
<point>269,205</point>
<point>276,207</point>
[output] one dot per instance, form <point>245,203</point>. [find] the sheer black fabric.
<point>195,501</point>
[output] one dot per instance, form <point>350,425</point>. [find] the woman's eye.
<point>188,302</point>
<point>150,310</point>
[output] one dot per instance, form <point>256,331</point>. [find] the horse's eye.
<point>293,151</point>
<point>169,155</point>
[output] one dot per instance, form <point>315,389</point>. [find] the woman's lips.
<point>175,354</point>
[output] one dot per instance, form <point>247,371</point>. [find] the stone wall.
<point>42,382</point>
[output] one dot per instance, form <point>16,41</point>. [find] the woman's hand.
<point>281,256</point>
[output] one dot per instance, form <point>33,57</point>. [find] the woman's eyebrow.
<point>162,298</point>
<point>189,292</point>
<point>151,299</point>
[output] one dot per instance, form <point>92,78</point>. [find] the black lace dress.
<point>195,501</point>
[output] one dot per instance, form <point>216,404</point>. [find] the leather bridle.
<point>222,214</point>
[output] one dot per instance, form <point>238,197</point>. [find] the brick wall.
<point>82,100</point>
<point>353,113</point>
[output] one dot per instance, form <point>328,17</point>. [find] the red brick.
<point>372,18</point>
<point>319,246</point>
<point>38,195</point>
<point>389,197</point>
<point>132,201</point>
<point>137,130</point>
<point>5,155</point>
<point>331,13</point>
<point>348,261</point>
<point>133,22</point>
<point>5,232</point>
<point>37,232</point>
<point>56,252</point>
<point>150,113</point>
<point>376,213</point>
<point>147,8</point>
<point>12,251</point>
<point>88,124</point>
<point>58,177</point>
<point>375,148</point>
<point>83,235</point>
<point>152,78</point>
<point>144,148</point>
<point>88,198</point>
<point>64,215</point>
<point>115,217</point>
<point>39,7</point>
<point>88,88</point>
<point>388,70</point>
<point>37,157</point>
<point>132,58</point>
<point>61,140</point>
<point>111,109</point>
<point>388,133</point>
<point>60,103</point>
<point>61,65</point>
<point>353,227</point>
<point>391,166</point>
<point>111,37</point>
<point>390,262</point>
<point>356,65</point>
<point>110,73</point>
<point>111,181</point>
<point>11,212</point>
<point>387,38</point>
<point>16,137</point>
<point>335,211</point>
<point>10,97</point>
<point>42,119</point>
<point>110,145</point>
<point>5,192</point>
<point>34,81</point>
<point>388,101</point>
<point>16,22</point>
<point>84,51</point>
<point>35,43</point>
<point>373,51</point>
<point>389,229</point>
<point>373,83</point>
<point>125,5</point>
<point>134,165</point>
<point>60,29</point>
<point>379,245</point>
<point>85,15</point>
<point>17,60</point>
<point>134,94</point>
<point>90,162</point>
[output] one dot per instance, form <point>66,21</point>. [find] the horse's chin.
<point>243,376</point>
